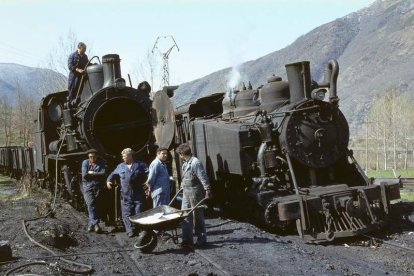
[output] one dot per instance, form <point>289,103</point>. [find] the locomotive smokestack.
<point>299,81</point>
<point>111,69</point>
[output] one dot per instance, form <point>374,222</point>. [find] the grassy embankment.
<point>7,187</point>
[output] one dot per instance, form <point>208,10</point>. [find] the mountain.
<point>31,81</point>
<point>374,47</point>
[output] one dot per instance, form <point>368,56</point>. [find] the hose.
<point>87,268</point>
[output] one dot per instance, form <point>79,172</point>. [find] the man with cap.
<point>93,181</point>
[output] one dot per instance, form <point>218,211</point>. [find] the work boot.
<point>97,229</point>
<point>90,228</point>
<point>200,242</point>
<point>187,246</point>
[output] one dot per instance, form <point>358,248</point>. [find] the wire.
<point>56,171</point>
<point>88,269</point>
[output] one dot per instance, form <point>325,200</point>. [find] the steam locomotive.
<point>280,153</point>
<point>106,115</point>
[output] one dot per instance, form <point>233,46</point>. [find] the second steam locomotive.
<point>280,153</point>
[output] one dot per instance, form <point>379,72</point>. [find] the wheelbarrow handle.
<point>197,205</point>
<point>190,210</point>
<point>179,191</point>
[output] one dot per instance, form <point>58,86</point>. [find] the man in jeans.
<point>93,181</point>
<point>195,186</point>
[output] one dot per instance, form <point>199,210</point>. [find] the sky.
<point>210,34</point>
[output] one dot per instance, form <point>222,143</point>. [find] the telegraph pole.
<point>165,55</point>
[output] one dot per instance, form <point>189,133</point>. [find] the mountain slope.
<point>374,47</point>
<point>32,81</point>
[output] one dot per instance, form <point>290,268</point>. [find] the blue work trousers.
<point>161,199</point>
<point>91,192</point>
<point>194,221</point>
<point>130,207</point>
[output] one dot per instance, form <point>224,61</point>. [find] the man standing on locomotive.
<point>76,63</point>
<point>196,186</point>
<point>132,175</point>
<point>93,181</point>
<point>158,182</point>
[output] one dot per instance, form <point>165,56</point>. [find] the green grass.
<point>407,195</point>
<point>408,173</point>
<point>7,186</point>
<point>6,180</point>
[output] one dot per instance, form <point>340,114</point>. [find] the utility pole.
<point>165,55</point>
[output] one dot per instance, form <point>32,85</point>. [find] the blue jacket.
<point>158,178</point>
<point>131,180</point>
<point>98,177</point>
<point>75,61</point>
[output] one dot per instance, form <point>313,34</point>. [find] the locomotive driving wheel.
<point>271,216</point>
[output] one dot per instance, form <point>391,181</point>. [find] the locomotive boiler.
<point>280,153</point>
<point>107,116</point>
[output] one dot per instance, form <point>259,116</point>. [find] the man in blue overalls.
<point>77,62</point>
<point>93,181</point>
<point>196,186</point>
<point>132,174</point>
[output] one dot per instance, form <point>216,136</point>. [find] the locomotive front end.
<point>331,195</point>
<point>105,115</point>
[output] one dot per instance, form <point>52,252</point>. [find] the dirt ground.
<point>234,248</point>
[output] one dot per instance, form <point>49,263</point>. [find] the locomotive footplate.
<point>326,213</point>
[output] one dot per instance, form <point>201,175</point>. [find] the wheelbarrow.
<point>162,218</point>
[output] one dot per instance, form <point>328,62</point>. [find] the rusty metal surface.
<point>163,119</point>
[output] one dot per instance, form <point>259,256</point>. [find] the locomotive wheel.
<point>272,218</point>
<point>147,241</point>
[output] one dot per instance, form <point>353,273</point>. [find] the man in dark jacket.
<point>93,181</point>
<point>76,63</point>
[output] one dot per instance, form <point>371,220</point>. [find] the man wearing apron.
<point>195,186</point>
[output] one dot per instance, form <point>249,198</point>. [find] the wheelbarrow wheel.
<point>147,241</point>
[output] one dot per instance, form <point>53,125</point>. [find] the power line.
<point>19,53</point>
<point>165,55</point>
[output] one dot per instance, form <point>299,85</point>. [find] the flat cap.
<point>92,151</point>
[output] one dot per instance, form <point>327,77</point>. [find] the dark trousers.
<point>91,192</point>
<point>194,221</point>
<point>130,207</point>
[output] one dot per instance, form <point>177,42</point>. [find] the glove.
<point>208,194</point>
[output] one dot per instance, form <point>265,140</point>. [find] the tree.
<point>24,116</point>
<point>6,120</point>
<point>394,127</point>
<point>148,69</point>
<point>58,62</point>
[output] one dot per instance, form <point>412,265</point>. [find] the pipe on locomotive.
<point>299,79</point>
<point>330,79</point>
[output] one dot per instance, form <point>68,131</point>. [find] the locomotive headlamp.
<point>319,95</point>
<point>120,83</point>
